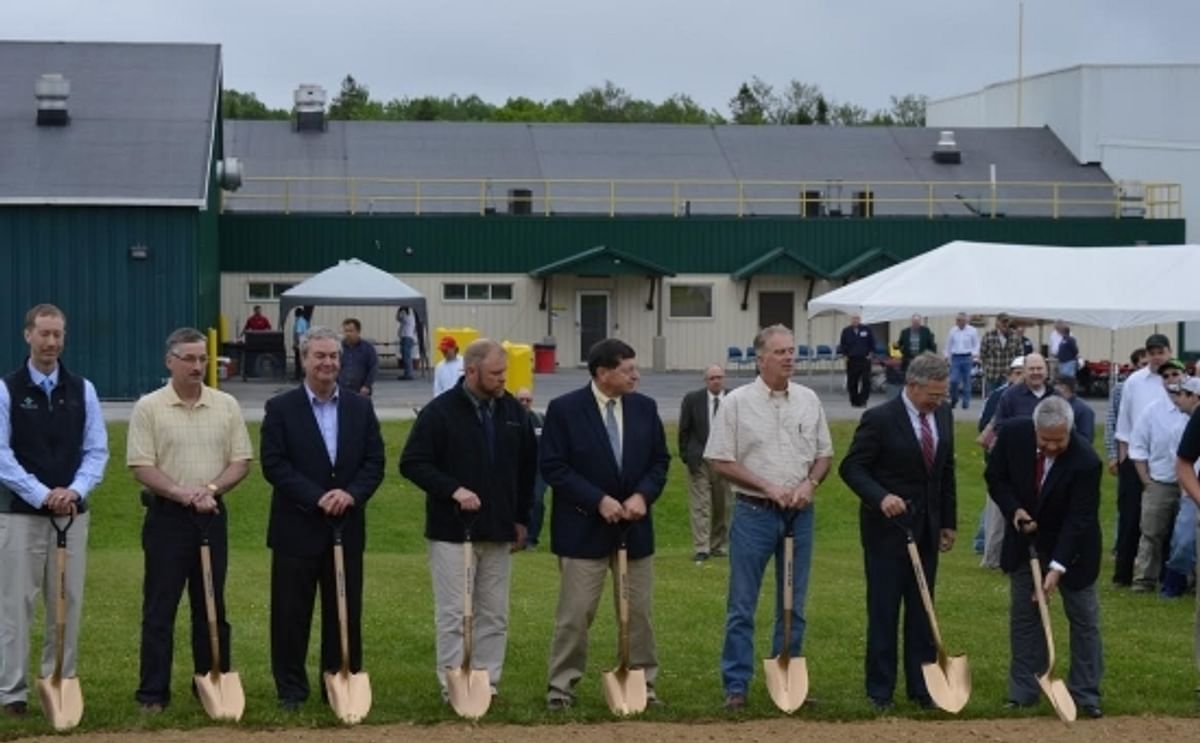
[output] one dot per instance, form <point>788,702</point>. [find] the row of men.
<point>474,453</point>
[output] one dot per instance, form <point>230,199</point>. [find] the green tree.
<point>848,114</point>
<point>354,102</point>
<point>821,116</point>
<point>798,104</point>
<point>609,103</point>
<point>909,109</point>
<point>753,103</point>
<point>238,105</point>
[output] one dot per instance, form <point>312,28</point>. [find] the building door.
<point>591,320</point>
<point>777,308</point>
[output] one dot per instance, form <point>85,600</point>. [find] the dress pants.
<point>1129,521</point>
<point>858,380</point>
<point>27,548</point>
<point>294,582</point>
<point>710,505</point>
<point>891,582</point>
<point>582,584</point>
<point>171,551</point>
<point>993,535</point>
<point>492,568</point>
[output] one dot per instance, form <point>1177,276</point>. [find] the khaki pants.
<point>493,567</point>
<point>1160,503</point>
<point>993,535</point>
<point>710,504</point>
<point>28,554</point>
<point>582,584</point>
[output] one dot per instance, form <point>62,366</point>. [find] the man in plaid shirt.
<point>999,347</point>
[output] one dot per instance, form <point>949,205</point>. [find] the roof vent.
<point>946,152</point>
<point>52,91</point>
<point>310,108</point>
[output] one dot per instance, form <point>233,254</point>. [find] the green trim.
<point>601,261</point>
<point>776,263</point>
<point>884,257</point>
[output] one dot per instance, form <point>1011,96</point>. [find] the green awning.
<point>777,262</point>
<point>601,261</point>
<point>875,259</point>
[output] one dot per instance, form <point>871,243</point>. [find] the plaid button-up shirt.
<point>995,356</point>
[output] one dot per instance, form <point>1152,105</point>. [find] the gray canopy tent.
<point>351,282</point>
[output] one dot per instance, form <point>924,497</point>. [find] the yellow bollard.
<point>210,373</point>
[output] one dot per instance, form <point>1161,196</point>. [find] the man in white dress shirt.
<point>962,350</point>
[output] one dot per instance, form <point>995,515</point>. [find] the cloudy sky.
<point>859,51</point>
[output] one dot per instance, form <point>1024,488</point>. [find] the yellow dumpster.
<point>520,366</point>
<point>462,336</point>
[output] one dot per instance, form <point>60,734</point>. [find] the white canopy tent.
<point>351,282</point>
<point>1110,287</point>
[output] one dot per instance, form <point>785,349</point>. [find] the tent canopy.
<point>1113,287</point>
<point>351,282</point>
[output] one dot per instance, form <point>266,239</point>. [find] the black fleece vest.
<point>46,433</point>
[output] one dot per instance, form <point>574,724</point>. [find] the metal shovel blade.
<point>349,695</point>
<point>470,692</point>
<point>787,681</point>
<point>625,690</point>
<point>62,701</point>
<point>948,682</point>
<point>221,694</point>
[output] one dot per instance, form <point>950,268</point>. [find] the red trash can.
<point>543,358</point>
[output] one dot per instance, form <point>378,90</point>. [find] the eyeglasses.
<point>189,359</point>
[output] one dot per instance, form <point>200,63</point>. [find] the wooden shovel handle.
<point>210,607</point>
<point>339,571</point>
<point>1036,568</point>
<point>926,597</point>
<point>60,607</point>
<point>622,578</point>
<point>468,603</point>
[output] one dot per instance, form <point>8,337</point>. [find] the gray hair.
<point>1052,412</point>
<point>927,367</point>
<point>184,335</point>
<point>760,339</point>
<point>480,349</point>
<point>316,333</point>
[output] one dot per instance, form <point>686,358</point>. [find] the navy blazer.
<point>1066,511</point>
<point>577,462</point>
<point>885,457</point>
<point>295,462</point>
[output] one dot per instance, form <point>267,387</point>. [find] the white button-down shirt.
<point>962,340</point>
<point>1156,437</point>
<point>1141,389</point>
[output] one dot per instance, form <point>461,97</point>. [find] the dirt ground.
<point>892,730</point>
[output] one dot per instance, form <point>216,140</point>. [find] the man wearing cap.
<point>449,369</point>
<point>999,347</point>
<point>359,360</point>
<point>1152,447</point>
<point>1142,389</point>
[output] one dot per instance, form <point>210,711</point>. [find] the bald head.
<point>1035,371</point>
<point>714,378</point>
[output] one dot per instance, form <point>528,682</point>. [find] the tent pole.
<point>1113,366</point>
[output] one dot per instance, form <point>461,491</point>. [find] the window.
<point>266,291</point>
<point>477,292</point>
<point>691,301</point>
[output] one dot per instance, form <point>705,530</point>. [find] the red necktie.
<point>1039,472</point>
<point>926,442</point>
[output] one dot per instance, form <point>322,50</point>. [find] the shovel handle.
<point>622,579</point>
<point>1035,567</point>
<point>60,605</point>
<point>210,606</point>
<point>923,587</point>
<point>468,603</point>
<point>339,571</point>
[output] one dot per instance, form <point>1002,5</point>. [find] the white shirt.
<point>1155,438</point>
<point>914,418</point>
<point>1142,389</point>
<point>709,398</point>
<point>1052,344</point>
<point>408,325</point>
<point>962,340</point>
<point>446,374</point>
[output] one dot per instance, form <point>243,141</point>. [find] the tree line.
<point>755,103</point>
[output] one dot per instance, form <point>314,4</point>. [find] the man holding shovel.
<point>473,453</point>
<point>53,448</point>
<point>1046,480</point>
<point>901,465</point>
<point>187,447</point>
<point>770,440</point>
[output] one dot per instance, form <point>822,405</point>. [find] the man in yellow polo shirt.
<point>188,446</point>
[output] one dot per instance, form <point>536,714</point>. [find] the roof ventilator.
<point>52,91</point>
<point>946,152</point>
<point>309,108</point>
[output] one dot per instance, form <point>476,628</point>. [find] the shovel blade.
<point>787,681</point>
<point>349,695</point>
<point>62,701</point>
<point>625,690</point>
<point>470,692</point>
<point>948,682</point>
<point>221,695</point>
<point>1060,698</point>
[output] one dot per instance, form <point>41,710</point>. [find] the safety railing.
<point>817,198</point>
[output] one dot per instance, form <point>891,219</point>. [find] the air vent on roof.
<point>229,173</point>
<point>310,108</point>
<point>52,92</point>
<point>946,152</point>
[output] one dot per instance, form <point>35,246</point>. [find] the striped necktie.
<point>926,442</point>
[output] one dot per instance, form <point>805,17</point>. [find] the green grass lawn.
<point>1148,641</point>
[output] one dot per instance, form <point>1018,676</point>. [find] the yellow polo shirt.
<point>189,445</point>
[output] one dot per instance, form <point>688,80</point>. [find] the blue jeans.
<point>960,379</point>
<point>1068,368</point>
<point>756,536</point>
<point>406,349</point>
<point>1183,538</point>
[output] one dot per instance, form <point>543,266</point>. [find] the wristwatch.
<point>815,482</point>
<point>212,488</point>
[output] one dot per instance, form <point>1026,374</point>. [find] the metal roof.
<point>142,118</point>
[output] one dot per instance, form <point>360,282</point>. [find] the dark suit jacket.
<point>578,463</point>
<point>926,343</point>
<point>1066,512</point>
<point>693,428</point>
<point>295,462</point>
<point>885,457</point>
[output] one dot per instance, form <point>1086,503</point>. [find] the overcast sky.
<point>859,51</point>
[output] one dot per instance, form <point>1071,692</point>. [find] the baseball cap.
<point>1157,340</point>
<point>1172,364</point>
<point>1002,316</point>
<point>1017,363</point>
<point>447,342</point>
<point>1190,384</point>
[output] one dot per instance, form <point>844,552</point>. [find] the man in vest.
<point>53,448</point>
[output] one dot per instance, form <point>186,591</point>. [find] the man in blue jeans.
<point>770,440</point>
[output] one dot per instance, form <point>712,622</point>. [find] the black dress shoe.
<point>925,702</point>
<point>16,709</point>
<point>881,705</point>
<point>290,705</point>
<point>1014,704</point>
<point>1091,711</point>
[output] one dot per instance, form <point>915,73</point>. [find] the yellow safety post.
<point>211,372</point>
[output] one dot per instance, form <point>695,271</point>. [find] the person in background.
<point>914,340</point>
<point>1055,339</point>
<point>1181,563</point>
<point>359,360</point>
<point>257,320</point>
<point>999,347</point>
<point>1137,360</point>
<point>857,344</point>
<point>406,333</point>
<point>1068,353</point>
<point>299,328</point>
<point>990,535</point>
<point>709,497</point>
<point>537,510</point>
<point>962,350</point>
<point>450,369</point>
<point>1026,344</point>
<point>1085,417</point>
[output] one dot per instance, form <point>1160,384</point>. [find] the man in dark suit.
<point>1046,480</point>
<point>915,340</point>
<point>901,464</point>
<point>709,497</point>
<point>323,454</point>
<point>604,453</point>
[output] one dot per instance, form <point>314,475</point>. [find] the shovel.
<point>220,693</point>
<point>349,693</point>
<point>469,689</point>
<point>62,699</point>
<point>1054,689</point>
<point>949,680</point>
<point>787,677</point>
<point>624,687</point>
